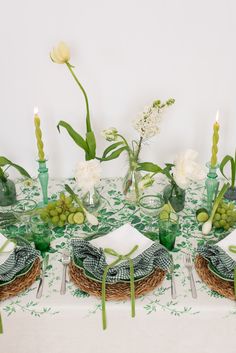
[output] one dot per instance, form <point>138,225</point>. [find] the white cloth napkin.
<point>7,250</point>
<point>226,242</point>
<point>122,240</point>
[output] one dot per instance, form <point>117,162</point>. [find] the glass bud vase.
<point>7,192</point>
<point>130,185</point>
<point>91,200</point>
<point>212,186</point>
<point>175,195</point>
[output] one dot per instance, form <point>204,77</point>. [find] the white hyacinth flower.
<point>187,169</point>
<point>147,123</point>
<point>110,134</point>
<point>88,174</point>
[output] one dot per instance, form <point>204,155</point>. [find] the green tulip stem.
<point>88,123</point>
<point>1,324</point>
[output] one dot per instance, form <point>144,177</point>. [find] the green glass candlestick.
<point>43,179</point>
<point>212,185</point>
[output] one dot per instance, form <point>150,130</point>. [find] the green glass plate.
<point>218,274</point>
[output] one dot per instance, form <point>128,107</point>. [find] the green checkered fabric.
<point>223,263</point>
<point>94,262</point>
<point>18,260</point>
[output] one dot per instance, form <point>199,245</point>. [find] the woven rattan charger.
<point>21,283</point>
<point>220,286</point>
<point>115,291</point>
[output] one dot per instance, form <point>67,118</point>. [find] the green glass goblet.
<point>23,210</point>
<point>150,207</point>
<point>41,233</point>
<point>168,229</point>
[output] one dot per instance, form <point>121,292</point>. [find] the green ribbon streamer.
<point>4,245</point>
<point>132,289</point>
<point>232,248</point>
<point>1,325</point>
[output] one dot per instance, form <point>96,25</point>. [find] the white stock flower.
<point>187,169</point>
<point>60,54</point>
<point>147,123</point>
<point>88,174</point>
<point>110,134</point>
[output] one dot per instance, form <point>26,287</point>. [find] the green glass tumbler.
<point>41,233</point>
<point>168,229</point>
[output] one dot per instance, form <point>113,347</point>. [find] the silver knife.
<point>41,280</point>
<point>173,285</point>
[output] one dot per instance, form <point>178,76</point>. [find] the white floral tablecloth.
<point>72,323</point>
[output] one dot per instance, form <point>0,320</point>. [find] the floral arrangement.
<point>61,55</point>
<point>147,125</point>
<point>180,174</point>
<point>7,186</point>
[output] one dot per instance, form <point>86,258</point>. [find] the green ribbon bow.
<point>132,289</point>
<point>232,248</point>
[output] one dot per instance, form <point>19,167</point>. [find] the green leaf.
<point>150,167</point>
<point>91,142</point>
<point>223,163</point>
<point>74,135</point>
<point>114,154</point>
<point>4,161</point>
<point>111,148</point>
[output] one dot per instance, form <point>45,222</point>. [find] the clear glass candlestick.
<point>43,179</point>
<point>212,185</point>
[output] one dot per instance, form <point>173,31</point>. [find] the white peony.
<point>187,169</point>
<point>88,174</point>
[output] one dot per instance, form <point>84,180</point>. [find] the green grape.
<point>53,213</point>
<point>224,216</point>
<point>61,224</point>
<point>72,209</point>
<point>55,219</point>
<point>217,217</point>
<point>58,210</point>
<point>216,224</point>
<point>63,217</point>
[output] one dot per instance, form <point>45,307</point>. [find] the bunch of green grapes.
<point>225,216</point>
<point>62,211</point>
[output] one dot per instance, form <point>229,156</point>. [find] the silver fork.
<point>173,285</point>
<point>65,263</point>
<point>189,266</point>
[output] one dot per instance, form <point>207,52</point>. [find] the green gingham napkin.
<point>19,259</point>
<point>94,261</point>
<point>223,263</point>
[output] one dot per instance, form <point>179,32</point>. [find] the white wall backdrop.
<point>127,53</point>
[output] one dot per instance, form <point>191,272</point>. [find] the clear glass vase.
<point>7,193</point>
<point>91,200</point>
<point>130,185</point>
<point>175,195</point>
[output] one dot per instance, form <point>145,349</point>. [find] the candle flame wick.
<point>36,110</point>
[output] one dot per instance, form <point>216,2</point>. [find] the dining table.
<point>72,322</point>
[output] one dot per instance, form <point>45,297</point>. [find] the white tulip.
<point>60,54</point>
<point>110,134</point>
